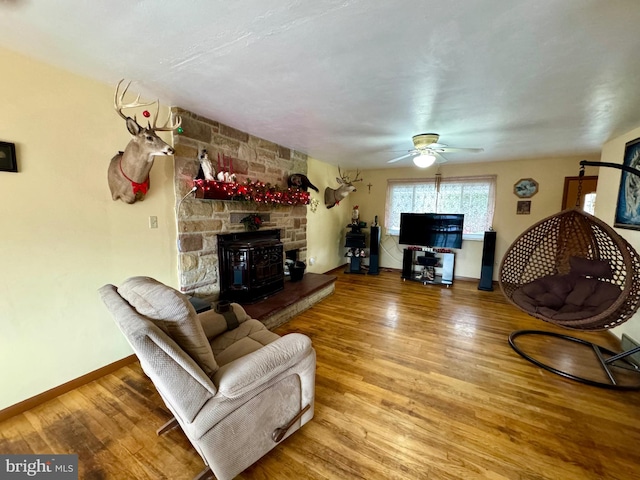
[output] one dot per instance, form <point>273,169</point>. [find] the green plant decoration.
<point>252,222</point>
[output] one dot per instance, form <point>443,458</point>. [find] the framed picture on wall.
<point>628,207</point>
<point>524,207</point>
<point>8,157</point>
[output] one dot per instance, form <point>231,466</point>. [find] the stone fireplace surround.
<point>200,221</point>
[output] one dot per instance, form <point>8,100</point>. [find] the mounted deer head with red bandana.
<point>333,196</point>
<point>128,173</point>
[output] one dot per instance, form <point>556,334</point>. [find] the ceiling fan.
<point>427,151</point>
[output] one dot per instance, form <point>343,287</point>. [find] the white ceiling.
<point>350,82</point>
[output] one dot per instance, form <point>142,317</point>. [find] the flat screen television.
<point>439,230</point>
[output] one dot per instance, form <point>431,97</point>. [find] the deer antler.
<point>167,127</point>
<point>343,176</point>
<point>119,106</point>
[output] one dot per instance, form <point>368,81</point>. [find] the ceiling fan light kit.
<point>424,160</point>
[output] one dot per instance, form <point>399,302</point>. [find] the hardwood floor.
<point>413,382</point>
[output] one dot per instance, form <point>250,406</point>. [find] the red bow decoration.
<point>140,187</point>
<point>136,187</point>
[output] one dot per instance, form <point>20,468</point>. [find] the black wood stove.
<point>251,265</point>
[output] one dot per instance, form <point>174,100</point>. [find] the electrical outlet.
<point>312,260</point>
<point>153,221</point>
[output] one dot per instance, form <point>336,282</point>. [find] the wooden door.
<point>589,185</point>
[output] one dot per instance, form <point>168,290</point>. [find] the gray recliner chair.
<point>235,388</point>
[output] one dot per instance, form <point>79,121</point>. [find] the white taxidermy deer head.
<point>333,196</point>
<point>128,173</point>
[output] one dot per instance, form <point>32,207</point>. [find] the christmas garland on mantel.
<point>257,192</point>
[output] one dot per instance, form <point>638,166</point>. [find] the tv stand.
<point>430,266</point>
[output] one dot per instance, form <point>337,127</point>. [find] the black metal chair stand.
<point>607,359</point>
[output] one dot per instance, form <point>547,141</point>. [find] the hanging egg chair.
<point>573,270</point>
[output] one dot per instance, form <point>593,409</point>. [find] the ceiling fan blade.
<point>397,159</point>
<point>458,149</point>
<point>439,158</point>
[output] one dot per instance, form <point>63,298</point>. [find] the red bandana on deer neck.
<point>136,187</point>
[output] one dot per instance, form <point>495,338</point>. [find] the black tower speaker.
<point>407,263</point>
<point>374,251</point>
<point>488,257</point>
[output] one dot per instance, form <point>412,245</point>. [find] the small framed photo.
<point>524,207</point>
<point>525,188</point>
<point>8,157</point>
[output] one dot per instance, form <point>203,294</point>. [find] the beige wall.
<point>62,235</point>
<point>606,201</point>
<point>326,227</point>
<point>549,173</point>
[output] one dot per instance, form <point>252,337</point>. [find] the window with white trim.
<point>473,196</point>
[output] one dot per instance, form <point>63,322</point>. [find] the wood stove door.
<point>266,266</point>
<point>237,269</point>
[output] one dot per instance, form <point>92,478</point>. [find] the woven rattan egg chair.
<point>549,251</point>
<point>547,248</point>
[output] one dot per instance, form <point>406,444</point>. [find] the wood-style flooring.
<point>413,382</point>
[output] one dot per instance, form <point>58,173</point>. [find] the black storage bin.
<point>297,271</point>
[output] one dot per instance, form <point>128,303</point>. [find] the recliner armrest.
<point>253,370</point>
